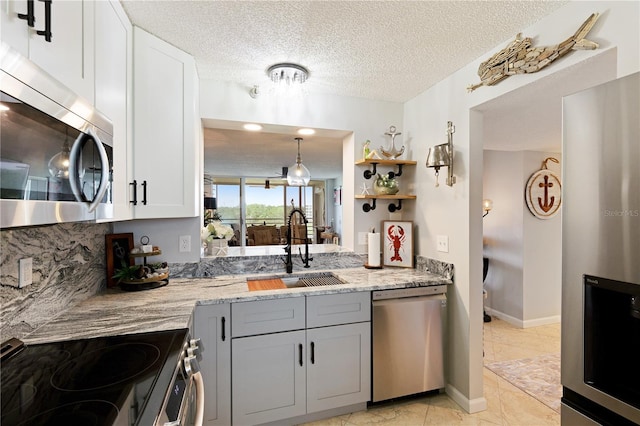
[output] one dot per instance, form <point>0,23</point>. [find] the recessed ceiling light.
<point>306,131</point>
<point>252,127</point>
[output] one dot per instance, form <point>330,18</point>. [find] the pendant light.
<point>59,163</point>
<point>298,174</point>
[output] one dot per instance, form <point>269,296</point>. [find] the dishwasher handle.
<point>398,293</point>
<point>436,297</point>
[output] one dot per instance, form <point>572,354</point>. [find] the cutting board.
<point>270,284</point>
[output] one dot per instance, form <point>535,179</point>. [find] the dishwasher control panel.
<point>408,292</point>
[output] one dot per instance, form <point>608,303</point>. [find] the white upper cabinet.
<point>113,76</point>
<point>69,55</point>
<point>167,137</point>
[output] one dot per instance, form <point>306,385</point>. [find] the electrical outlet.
<point>184,243</point>
<point>443,243</point>
<point>362,238</point>
<point>26,272</point>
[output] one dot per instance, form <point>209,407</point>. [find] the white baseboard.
<point>542,321</point>
<point>517,322</point>
<point>469,405</point>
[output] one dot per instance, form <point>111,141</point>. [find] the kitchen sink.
<point>311,279</point>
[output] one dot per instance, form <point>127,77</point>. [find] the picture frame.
<point>397,243</point>
<point>337,196</point>
<point>117,249</point>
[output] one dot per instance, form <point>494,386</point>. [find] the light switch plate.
<point>442,243</point>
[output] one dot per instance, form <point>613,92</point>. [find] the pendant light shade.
<point>298,174</point>
<point>59,163</point>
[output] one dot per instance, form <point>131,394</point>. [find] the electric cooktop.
<point>100,381</point>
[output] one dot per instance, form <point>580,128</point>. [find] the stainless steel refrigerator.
<point>601,255</point>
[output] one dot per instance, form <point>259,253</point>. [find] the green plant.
<point>126,272</point>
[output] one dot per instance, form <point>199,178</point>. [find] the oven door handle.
<point>197,378</point>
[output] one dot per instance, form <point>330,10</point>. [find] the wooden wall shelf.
<point>368,174</point>
<point>392,207</point>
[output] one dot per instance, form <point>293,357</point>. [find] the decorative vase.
<point>385,185</point>
<point>217,247</point>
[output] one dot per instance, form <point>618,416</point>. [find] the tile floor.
<point>506,404</point>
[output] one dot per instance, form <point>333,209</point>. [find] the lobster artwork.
<point>396,237</point>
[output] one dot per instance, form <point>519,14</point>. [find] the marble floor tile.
<point>506,404</point>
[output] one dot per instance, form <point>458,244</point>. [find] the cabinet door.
<point>14,31</point>
<point>339,366</point>
<point>113,38</point>
<point>211,326</point>
<point>68,57</point>
<point>268,377</point>
<point>166,142</point>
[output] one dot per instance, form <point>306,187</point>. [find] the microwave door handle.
<point>104,173</point>
<point>74,170</point>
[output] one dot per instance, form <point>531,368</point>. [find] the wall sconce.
<point>487,205</point>
<point>442,156</point>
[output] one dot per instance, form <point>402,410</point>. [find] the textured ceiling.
<point>383,50</point>
<point>386,50</point>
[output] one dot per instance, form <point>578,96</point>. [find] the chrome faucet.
<point>306,259</point>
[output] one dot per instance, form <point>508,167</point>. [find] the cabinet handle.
<point>47,21</point>
<point>300,354</point>
<point>135,192</point>
<point>144,192</point>
<point>224,335</point>
<point>313,353</point>
<point>29,17</point>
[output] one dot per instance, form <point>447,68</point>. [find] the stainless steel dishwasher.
<point>408,346</point>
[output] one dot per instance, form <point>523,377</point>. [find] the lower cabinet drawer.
<point>267,316</point>
<point>340,308</point>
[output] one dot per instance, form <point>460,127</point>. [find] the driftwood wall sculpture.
<point>520,57</point>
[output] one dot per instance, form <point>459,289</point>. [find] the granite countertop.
<point>120,312</point>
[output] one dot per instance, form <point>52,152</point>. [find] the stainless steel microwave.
<point>56,151</point>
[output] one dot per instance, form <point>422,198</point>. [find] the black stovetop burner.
<point>90,381</point>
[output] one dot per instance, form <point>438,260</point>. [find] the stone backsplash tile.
<point>68,267</point>
<point>434,266</point>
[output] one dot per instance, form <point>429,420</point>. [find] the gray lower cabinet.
<point>211,326</point>
<point>269,380</point>
<point>339,366</point>
<point>290,373</point>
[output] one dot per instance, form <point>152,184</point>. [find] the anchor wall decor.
<point>543,192</point>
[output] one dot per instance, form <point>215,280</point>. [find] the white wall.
<point>524,278</point>
<point>456,211</point>
<point>503,233</point>
<point>542,255</point>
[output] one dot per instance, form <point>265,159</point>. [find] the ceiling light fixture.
<point>288,78</point>
<point>252,127</point>
<point>298,174</point>
<point>306,131</point>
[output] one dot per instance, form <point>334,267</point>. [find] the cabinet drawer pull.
<point>29,17</point>
<point>313,353</point>
<point>135,192</point>
<point>300,354</point>
<point>47,21</point>
<point>224,334</point>
<point>144,192</point>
